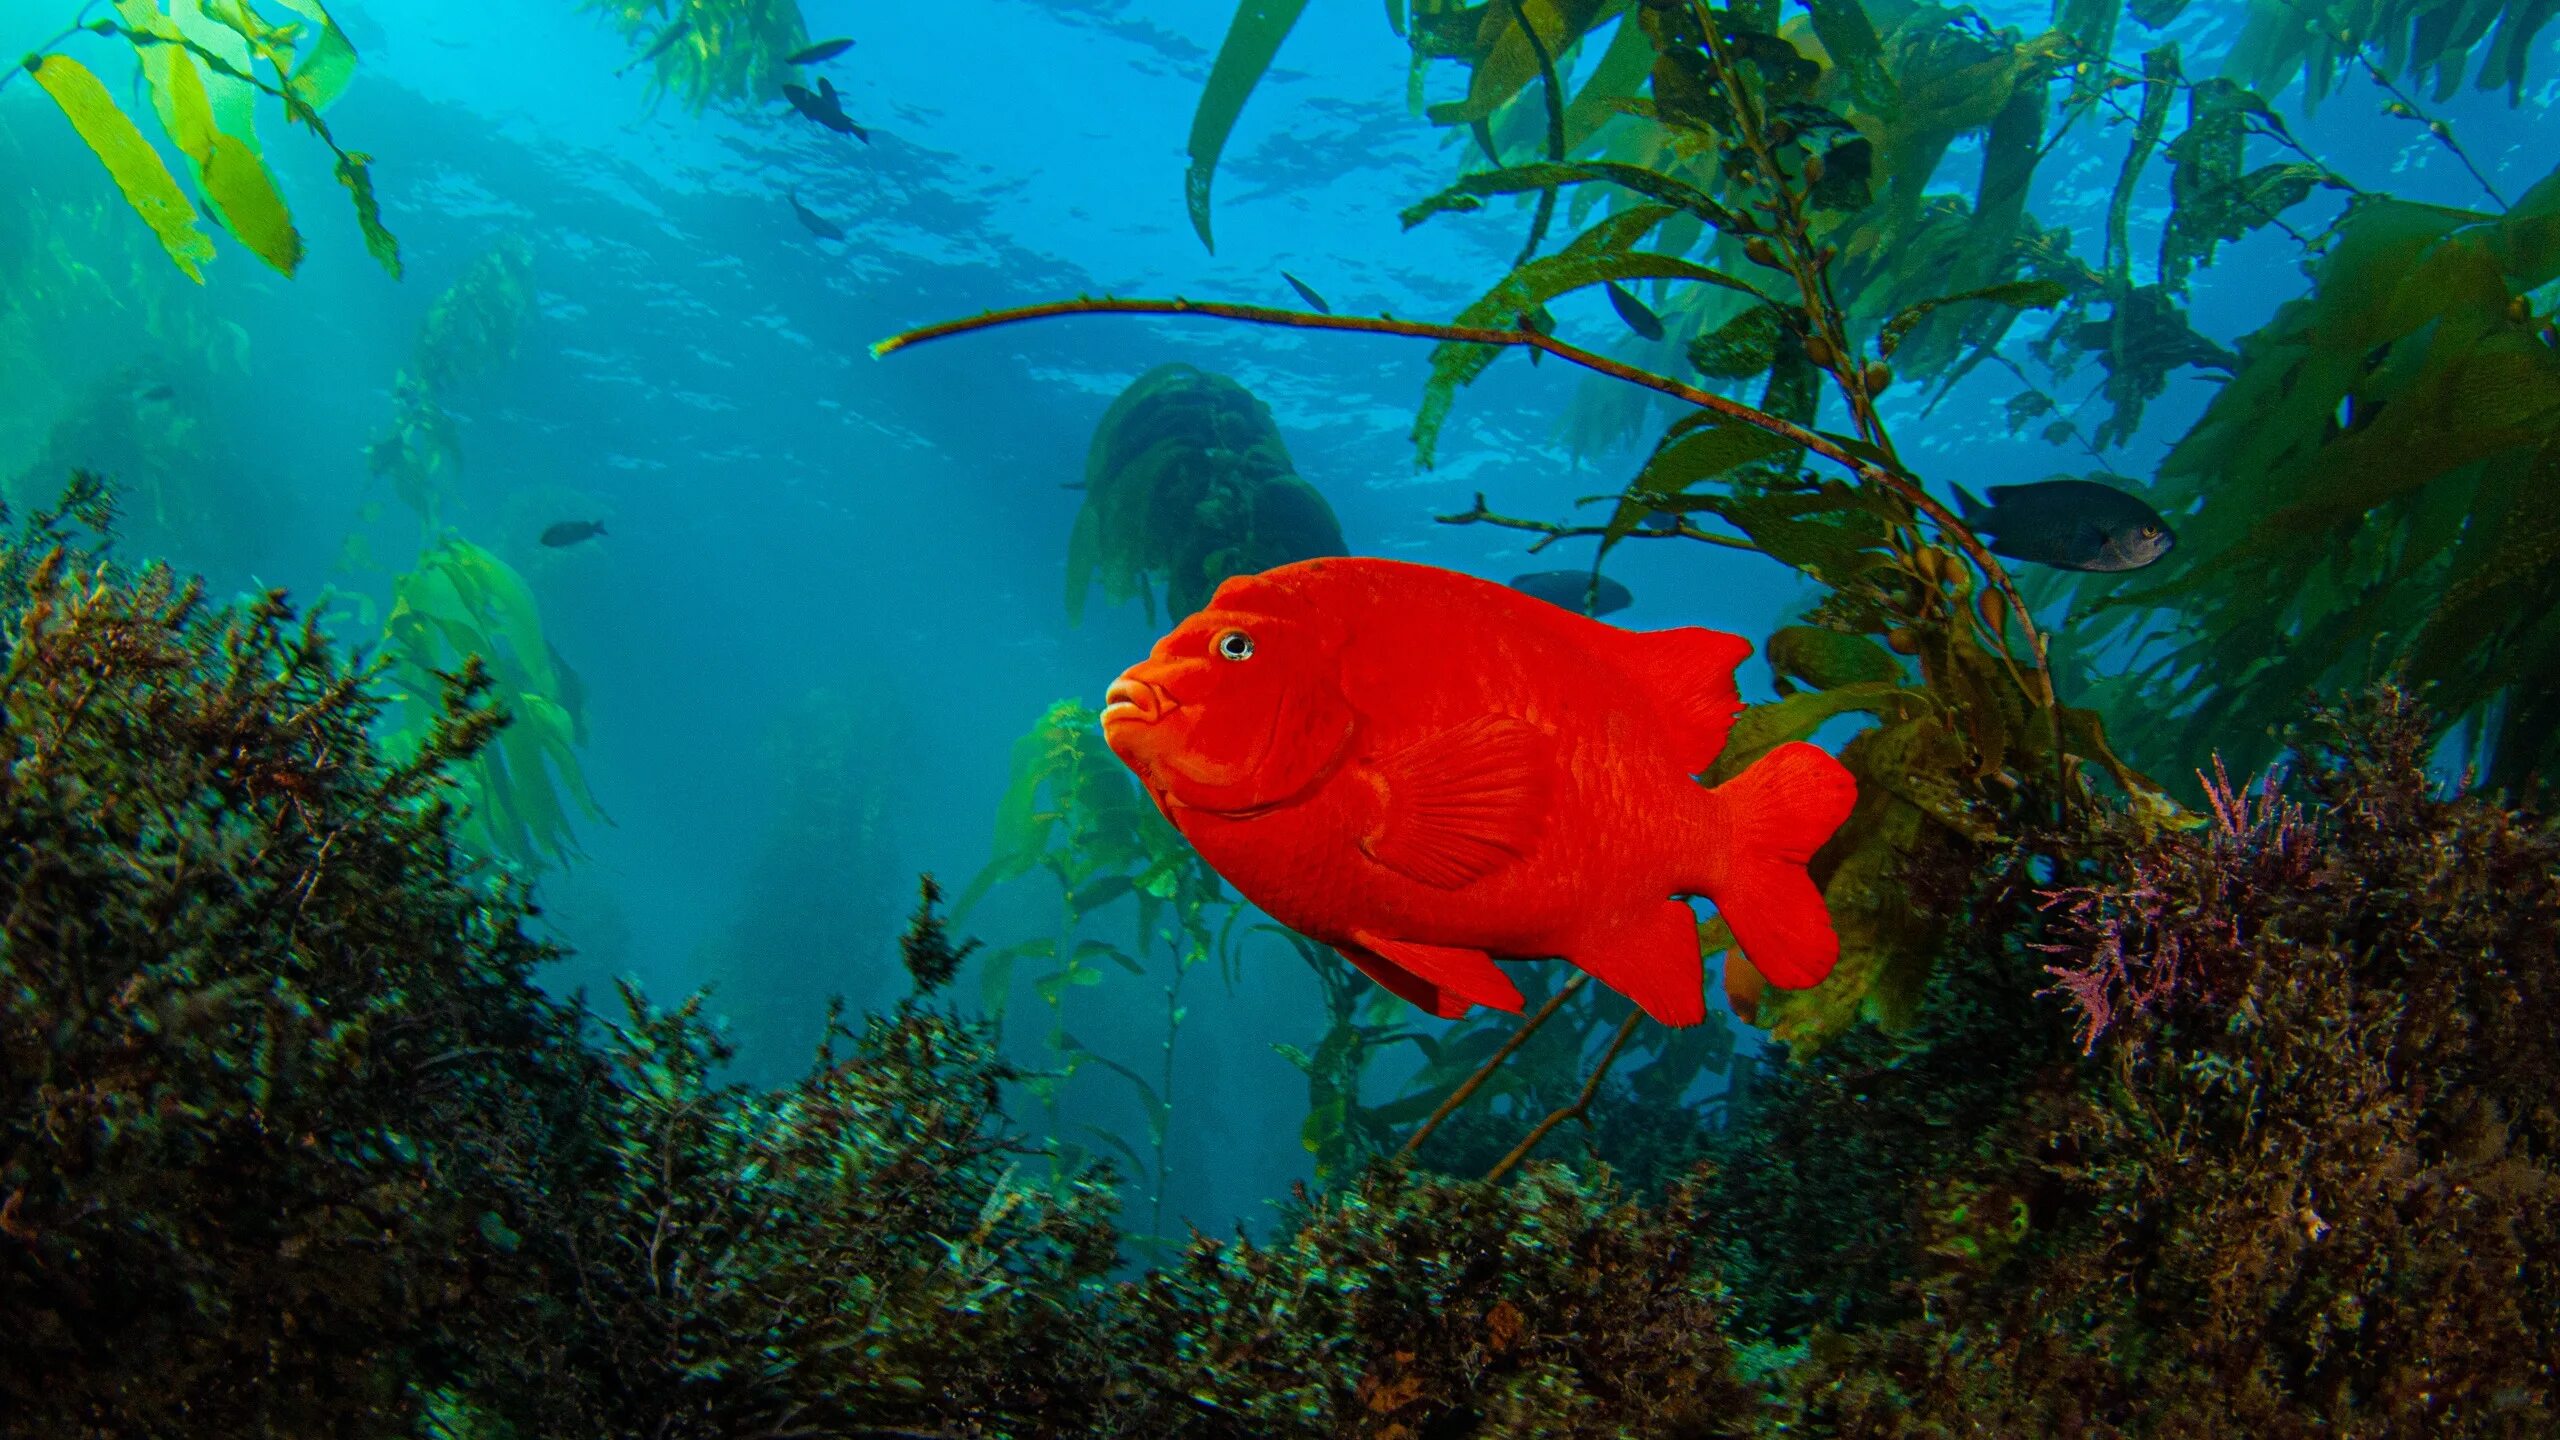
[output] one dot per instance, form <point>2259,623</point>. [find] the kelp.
<point>2426,41</point>
<point>473,327</point>
<point>2370,495</point>
<point>1070,810</point>
<point>201,64</point>
<point>1187,482</point>
<point>464,618</point>
<point>730,52</point>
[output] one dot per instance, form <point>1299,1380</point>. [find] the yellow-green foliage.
<point>202,64</point>
<point>462,603</point>
<point>731,51</point>
<point>1187,483</point>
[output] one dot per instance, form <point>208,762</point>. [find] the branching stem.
<point>1485,1071</point>
<point>1581,1103</point>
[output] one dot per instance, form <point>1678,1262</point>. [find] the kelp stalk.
<point>1581,1103</point>
<point>1683,529</point>
<point>1485,1071</point>
<point>79,22</point>
<point>1867,471</point>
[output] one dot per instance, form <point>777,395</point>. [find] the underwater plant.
<point>1071,811</point>
<point>707,51</point>
<point>262,1029</point>
<point>473,327</point>
<point>201,64</point>
<point>1186,483</point>
<point>460,609</point>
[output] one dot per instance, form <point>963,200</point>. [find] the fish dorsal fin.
<point>1688,672</point>
<point>1462,804</point>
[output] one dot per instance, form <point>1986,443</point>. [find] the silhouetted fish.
<point>824,50</point>
<point>1632,310</point>
<point>2069,524</point>
<point>825,107</point>
<point>813,222</point>
<point>666,38</point>
<point>161,393</point>
<point>572,532</point>
<point>1314,300</point>
<point>1569,588</point>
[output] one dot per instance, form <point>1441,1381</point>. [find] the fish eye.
<point>2150,532</point>
<point>1235,645</point>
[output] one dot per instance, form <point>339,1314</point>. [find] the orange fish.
<point>1429,772</point>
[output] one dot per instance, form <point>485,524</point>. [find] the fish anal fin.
<point>1651,957</point>
<point>1689,674</point>
<point>1463,803</point>
<point>1458,974</point>
<point>1404,983</point>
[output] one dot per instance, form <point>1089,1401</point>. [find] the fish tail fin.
<point>1766,823</point>
<point>599,527</point>
<point>1967,508</point>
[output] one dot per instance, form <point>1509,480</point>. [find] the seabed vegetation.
<point>2220,1103</point>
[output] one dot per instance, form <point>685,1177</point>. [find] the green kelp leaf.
<point>1471,190</point>
<point>2526,239</point>
<point>1856,51</point>
<point>245,198</point>
<point>1848,175</point>
<point>2022,294</point>
<point>1740,348</point>
<point>2211,201</point>
<point>355,171</point>
<point>1253,38</point>
<point>1828,659</point>
<point>1595,257</point>
<point>1619,75</point>
<point>1699,447</point>
<point>1501,58</point>
<point>2517,552</point>
<point>1105,950</point>
<point>1763,728</point>
<point>325,73</point>
<point>131,162</point>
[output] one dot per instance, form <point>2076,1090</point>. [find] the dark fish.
<point>161,392</point>
<point>571,532</point>
<point>666,39</point>
<point>825,107</point>
<point>1313,299</point>
<point>1632,310</point>
<point>822,51</point>
<point>813,222</point>
<point>1570,588</point>
<point>2069,524</point>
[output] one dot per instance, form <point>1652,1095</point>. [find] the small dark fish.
<point>813,222</point>
<point>572,532</point>
<point>1570,588</point>
<point>824,50</point>
<point>161,393</point>
<point>1313,299</point>
<point>1632,310</point>
<point>825,107</point>
<point>666,40</point>
<point>2069,524</point>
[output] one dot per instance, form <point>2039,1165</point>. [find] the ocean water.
<point>828,598</point>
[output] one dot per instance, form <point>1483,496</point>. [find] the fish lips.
<point>1132,701</point>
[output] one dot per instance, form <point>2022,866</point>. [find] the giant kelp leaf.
<point>1850,41</point>
<point>1827,659</point>
<point>1502,59</point>
<point>1593,258</point>
<point>136,168</point>
<point>1741,347</point>
<point>1470,191</point>
<point>2018,294</point>
<point>2210,199</point>
<point>1763,728</point>
<point>2427,41</point>
<point>1619,75</point>
<point>228,168</point>
<point>1253,38</point>
<point>323,74</point>
<point>1699,447</point>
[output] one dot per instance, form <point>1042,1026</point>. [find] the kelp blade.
<point>136,168</point>
<point>1253,37</point>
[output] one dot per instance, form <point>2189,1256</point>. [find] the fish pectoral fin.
<point>1404,983</point>
<point>1459,975</point>
<point>1651,957</point>
<point>1463,803</point>
<point>1688,672</point>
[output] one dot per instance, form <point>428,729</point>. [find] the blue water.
<point>787,514</point>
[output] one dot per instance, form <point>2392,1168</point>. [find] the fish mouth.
<point>1135,702</point>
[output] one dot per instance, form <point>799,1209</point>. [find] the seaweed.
<point>1186,483</point>
<point>730,52</point>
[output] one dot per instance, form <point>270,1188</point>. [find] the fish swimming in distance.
<point>813,222</point>
<point>1638,316</point>
<point>666,40</point>
<point>1429,772</point>
<point>1314,300</point>
<point>1569,588</point>
<point>160,394</point>
<point>572,532</point>
<point>2069,524</point>
<point>826,107</point>
<point>819,53</point>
